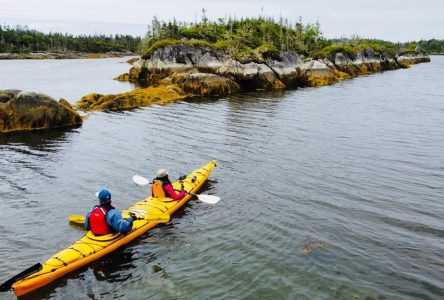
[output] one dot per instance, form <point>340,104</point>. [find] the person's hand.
<point>132,215</point>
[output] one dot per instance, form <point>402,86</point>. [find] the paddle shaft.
<point>7,285</point>
<point>210,199</point>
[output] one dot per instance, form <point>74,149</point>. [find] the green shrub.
<point>158,44</point>
<point>329,52</point>
<point>268,51</point>
<point>172,42</point>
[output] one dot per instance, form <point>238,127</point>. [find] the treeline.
<point>242,38</point>
<point>432,46</point>
<point>21,39</point>
<point>259,37</point>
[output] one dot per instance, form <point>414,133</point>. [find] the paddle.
<point>210,199</point>
<point>7,285</point>
<point>160,218</point>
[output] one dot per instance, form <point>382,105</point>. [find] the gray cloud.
<point>393,20</point>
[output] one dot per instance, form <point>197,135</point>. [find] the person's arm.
<point>117,223</point>
<point>172,193</point>
<point>86,224</point>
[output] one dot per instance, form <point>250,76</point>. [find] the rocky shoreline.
<point>181,71</point>
<point>191,71</point>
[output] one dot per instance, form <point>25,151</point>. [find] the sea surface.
<point>332,192</point>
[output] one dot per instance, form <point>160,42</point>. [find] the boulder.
<point>289,70</point>
<point>371,62</point>
<point>29,110</point>
<point>319,73</point>
<point>132,60</point>
<point>205,84</point>
<point>250,75</point>
<point>123,77</point>
<point>345,63</point>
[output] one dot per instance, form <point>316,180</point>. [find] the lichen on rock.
<point>186,70</point>
<point>30,111</point>
<point>133,99</point>
<point>123,77</point>
<point>204,84</point>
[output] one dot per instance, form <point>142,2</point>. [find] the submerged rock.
<point>133,99</point>
<point>311,244</point>
<point>29,110</point>
<point>123,77</point>
<point>177,86</point>
<point>132,60</point>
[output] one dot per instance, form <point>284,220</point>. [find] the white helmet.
<point>161,173</point>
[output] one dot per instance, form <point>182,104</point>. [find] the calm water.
<point>65,78</point>
<point>358,165</point>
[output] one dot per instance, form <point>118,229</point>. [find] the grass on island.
<point>255,39</point>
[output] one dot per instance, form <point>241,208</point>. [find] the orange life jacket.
<point>97,221</point>
<point>157,190</point>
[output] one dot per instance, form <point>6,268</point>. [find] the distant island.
<point>21,42</point>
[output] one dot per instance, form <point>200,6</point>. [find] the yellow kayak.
<point>90,247</point>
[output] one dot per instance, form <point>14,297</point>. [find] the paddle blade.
<point>139,180</point>
<point>7,285</point>
<point>77,219</point>
<point>210,199</point>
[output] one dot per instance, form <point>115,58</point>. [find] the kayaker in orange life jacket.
<point>163,188</point>
<point>105,218</point>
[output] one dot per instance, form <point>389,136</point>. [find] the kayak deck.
<point>90,247</point>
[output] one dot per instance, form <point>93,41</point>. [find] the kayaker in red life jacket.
<point>163,188</point>
<point>105,218</point>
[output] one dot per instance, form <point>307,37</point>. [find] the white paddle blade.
<point>97,194</point>
<point>139,180</point>
<point>210,199</point>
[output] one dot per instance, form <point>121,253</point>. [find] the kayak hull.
<point>90,247</point>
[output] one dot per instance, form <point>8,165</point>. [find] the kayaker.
<point>105,218</point>
<point>163,188</point>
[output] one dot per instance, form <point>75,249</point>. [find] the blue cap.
<point>104,196</point>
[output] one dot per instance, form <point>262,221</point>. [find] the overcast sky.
<point>394,20</point>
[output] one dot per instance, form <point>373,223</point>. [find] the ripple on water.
<point>357,165</point>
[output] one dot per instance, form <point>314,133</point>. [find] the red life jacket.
<point>97,221</point>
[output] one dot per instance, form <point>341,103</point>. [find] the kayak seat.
<point>103,238</point>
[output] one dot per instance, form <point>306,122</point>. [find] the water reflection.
<point>43,140</point>
<point>116,266</point>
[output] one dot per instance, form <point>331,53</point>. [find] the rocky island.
<point>225,57</point>
<point>213,59</point>
<point>180,71</point>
